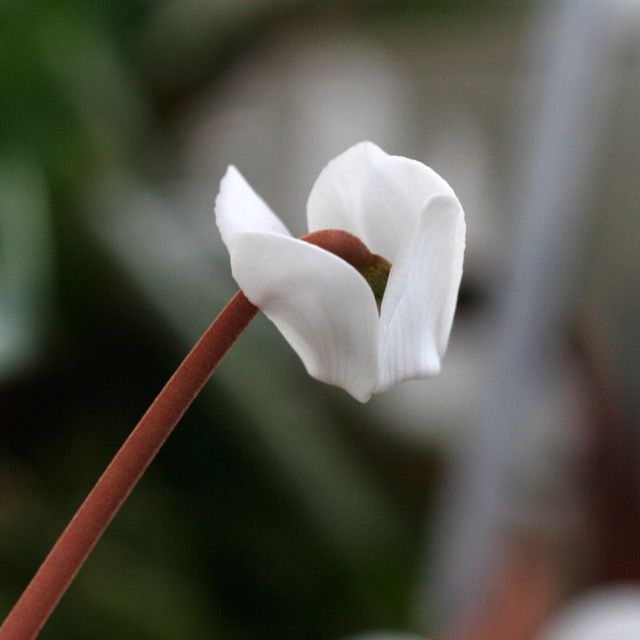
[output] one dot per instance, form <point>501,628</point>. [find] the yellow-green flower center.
<point>373,268</point>
<point>377,275</point>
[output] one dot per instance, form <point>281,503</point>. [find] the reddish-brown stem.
<point>94,515</point>
<point>116,483</point>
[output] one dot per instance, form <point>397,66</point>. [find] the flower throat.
<point>373,268</point>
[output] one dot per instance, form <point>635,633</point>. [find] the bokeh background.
<point>474,506</point>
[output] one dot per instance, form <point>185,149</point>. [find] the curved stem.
<point>94,515</point>
<point>116,483</point>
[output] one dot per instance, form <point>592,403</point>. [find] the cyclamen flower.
<point>403,211</point>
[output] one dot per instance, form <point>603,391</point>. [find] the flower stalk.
<point>114,486</point>
<point>69,553</point>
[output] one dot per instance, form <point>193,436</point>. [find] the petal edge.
<point>373,195</point>
<point>420,300</point>
<point>322,306</point>
<point>239,209</point>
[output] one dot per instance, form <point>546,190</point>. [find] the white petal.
<point>373,195</point>
<point>322,306</point>
<point>420,299</point>
<point>240,209</point>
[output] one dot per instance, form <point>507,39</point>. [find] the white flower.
<point>403,211</point>
<point>609,613</point>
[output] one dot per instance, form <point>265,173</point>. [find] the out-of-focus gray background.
<point>470,506</point>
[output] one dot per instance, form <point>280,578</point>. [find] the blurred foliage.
<point>66,96</point>
<point>218,540</point>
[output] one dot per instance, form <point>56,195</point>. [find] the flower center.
<point>373,268</point>
<point>377,276</point>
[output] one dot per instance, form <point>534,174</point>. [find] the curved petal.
<point>420,299</point>
<point>373,195</point>
<point>240,209</point>
<point>322,306</point>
